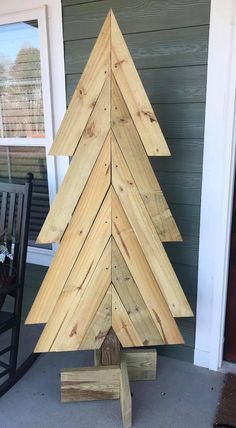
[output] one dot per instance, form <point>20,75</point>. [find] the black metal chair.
<point>14,222</point>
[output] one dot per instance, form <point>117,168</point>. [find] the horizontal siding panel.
<point>185,252</point>
<point>178,47</point>
<point>85,20</point>
<point>181,120</point>
<point>180,187</point>
<point>173,85</point>
<point>186,156</point>
<point>187,218</point>
<point>187,275</point>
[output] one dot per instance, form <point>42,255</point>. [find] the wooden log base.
<point>109,382</point>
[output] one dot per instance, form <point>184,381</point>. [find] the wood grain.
<point>83,161</point>
<point>142,274</point>
<point>80,275</point>
<point>90,383</point>
<point>141,363</point>
<point>132,299</point>
<point>145,232</point>
<point>85,96</point>
<point>73,239</point>
<point>110,350</point>
<point>100,325</point>
<point>121,323</point>
<point>134,95</point>
<point>125,395</point>
<point>83,308</point>
<point>135,155</point>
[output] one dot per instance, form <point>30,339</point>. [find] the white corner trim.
<point>217,185</point>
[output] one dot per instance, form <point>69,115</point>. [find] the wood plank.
<point>110,350</point>
<point>82,161</point>
<point>84,308</point>
<point>132,299</point>
<point>83,20</point>
<point>99,326</point>
<point>142,274</point>
<point>90,383</point>
<point>178,47</point>
<point>141,363</point>
<point>134,95</point>
<point>147,236</point>
<point>125,396</point>
<point>122,325</point>
<point>140,167</point>
<point>85,96</point>
<point>80,275</point>
<point>73,239</point>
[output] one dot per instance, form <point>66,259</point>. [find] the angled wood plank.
<point>85,95</point>
<point>142,274</point>
<point>82,311</point>
<point>80,275</point>
<point>148,238</point>
<point>134,94</point>
<point>122,324</point>
<point>73,239</point>
<point>132,300</point>
<point>79,170</point>
<point>99,326</point>
<point>140,167</point>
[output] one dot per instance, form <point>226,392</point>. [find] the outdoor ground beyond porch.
<point>183,396</point>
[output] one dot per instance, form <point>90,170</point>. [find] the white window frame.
<point>217,186</point>
<point>49,18</point>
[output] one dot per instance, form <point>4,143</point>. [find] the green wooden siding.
<point>168,41</point>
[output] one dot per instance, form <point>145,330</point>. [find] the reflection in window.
<point>21,105</point>
<point>15,162</point>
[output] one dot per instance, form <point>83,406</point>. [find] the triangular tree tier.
<point>110,216</point>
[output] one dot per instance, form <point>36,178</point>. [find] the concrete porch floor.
<point>183,396</point>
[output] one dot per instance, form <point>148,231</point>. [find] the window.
<point>25,110</point>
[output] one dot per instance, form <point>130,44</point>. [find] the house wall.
<point>168,42</point>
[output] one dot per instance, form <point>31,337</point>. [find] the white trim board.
<point>217,185</point>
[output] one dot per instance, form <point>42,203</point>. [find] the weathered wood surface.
<point>90,383</point>
<point>110,350</point>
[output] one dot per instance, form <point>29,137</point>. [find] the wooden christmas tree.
<point>111,270</point>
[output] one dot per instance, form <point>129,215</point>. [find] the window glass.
<point>21,105</point>
<point>15,162</point>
